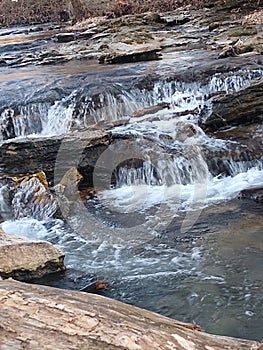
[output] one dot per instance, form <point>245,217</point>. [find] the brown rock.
<point>24,260</point>
<point>33,199</point>
<point>60,152</point>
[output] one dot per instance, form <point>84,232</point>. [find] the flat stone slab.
<point>24,259</point>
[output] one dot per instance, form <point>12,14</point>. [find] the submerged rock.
<point>73,279</point>
<point>254,193</point>
<point>23,259</point>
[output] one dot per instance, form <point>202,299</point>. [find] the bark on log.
<point>37,317</point>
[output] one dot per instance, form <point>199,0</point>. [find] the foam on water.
<point>99,256</point>
<point>211,190</point>
<point>80,109</point>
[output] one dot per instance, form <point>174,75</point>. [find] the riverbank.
<point>36,11</point>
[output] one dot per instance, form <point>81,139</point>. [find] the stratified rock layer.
<point>243,107</point>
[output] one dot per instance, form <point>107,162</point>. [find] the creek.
<point>166,228</point>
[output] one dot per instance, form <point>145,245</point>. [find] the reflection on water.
<point>50,71</point>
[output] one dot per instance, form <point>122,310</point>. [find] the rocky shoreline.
<point>138,38</point>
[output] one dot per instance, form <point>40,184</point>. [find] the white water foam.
<point>118,103</point>
<point>181,197</point>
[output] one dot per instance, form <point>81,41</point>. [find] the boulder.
<point>242,107</point>
<point>25,260</point>
<point>252,44</point>
<point>37,317</point>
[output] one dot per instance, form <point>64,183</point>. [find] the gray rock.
<point>242,107</point>
<point>254,193</point>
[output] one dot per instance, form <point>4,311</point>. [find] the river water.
<point>169,234</point>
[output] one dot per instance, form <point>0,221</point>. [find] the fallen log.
<point>38,317</point>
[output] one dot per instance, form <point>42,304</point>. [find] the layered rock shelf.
<point>243,107</point>
<point>47,154</point>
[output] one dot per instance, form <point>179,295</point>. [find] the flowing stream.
<point>168,233</point>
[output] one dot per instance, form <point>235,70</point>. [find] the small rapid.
<point>157,229</point>
<point>84,106</point>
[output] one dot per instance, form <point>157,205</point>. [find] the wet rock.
<point>150,110</point>
<point>136,54</point>
<point>7,129</point>
<point>73,279</point>
<point>65,37</point>
<point>254,193</point>
<point>41,176</point>
<point>251,44</point>
<point>54,155</point>
<point>175,20</point>
<point>87,34</point>
<point>24,260</point>
<point>32,199</point>
<point>228,51</point>
<point>106,125</point>
<point>242,107</point>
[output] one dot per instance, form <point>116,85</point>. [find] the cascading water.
<point>145,231</point>
<point>82,108</point>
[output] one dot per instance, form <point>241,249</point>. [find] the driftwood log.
<point>38,317</point>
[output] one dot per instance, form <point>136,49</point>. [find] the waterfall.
<point>168,171</point>
<point>33,200</point>
<point>5,208</point>
<point>83,107</point>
